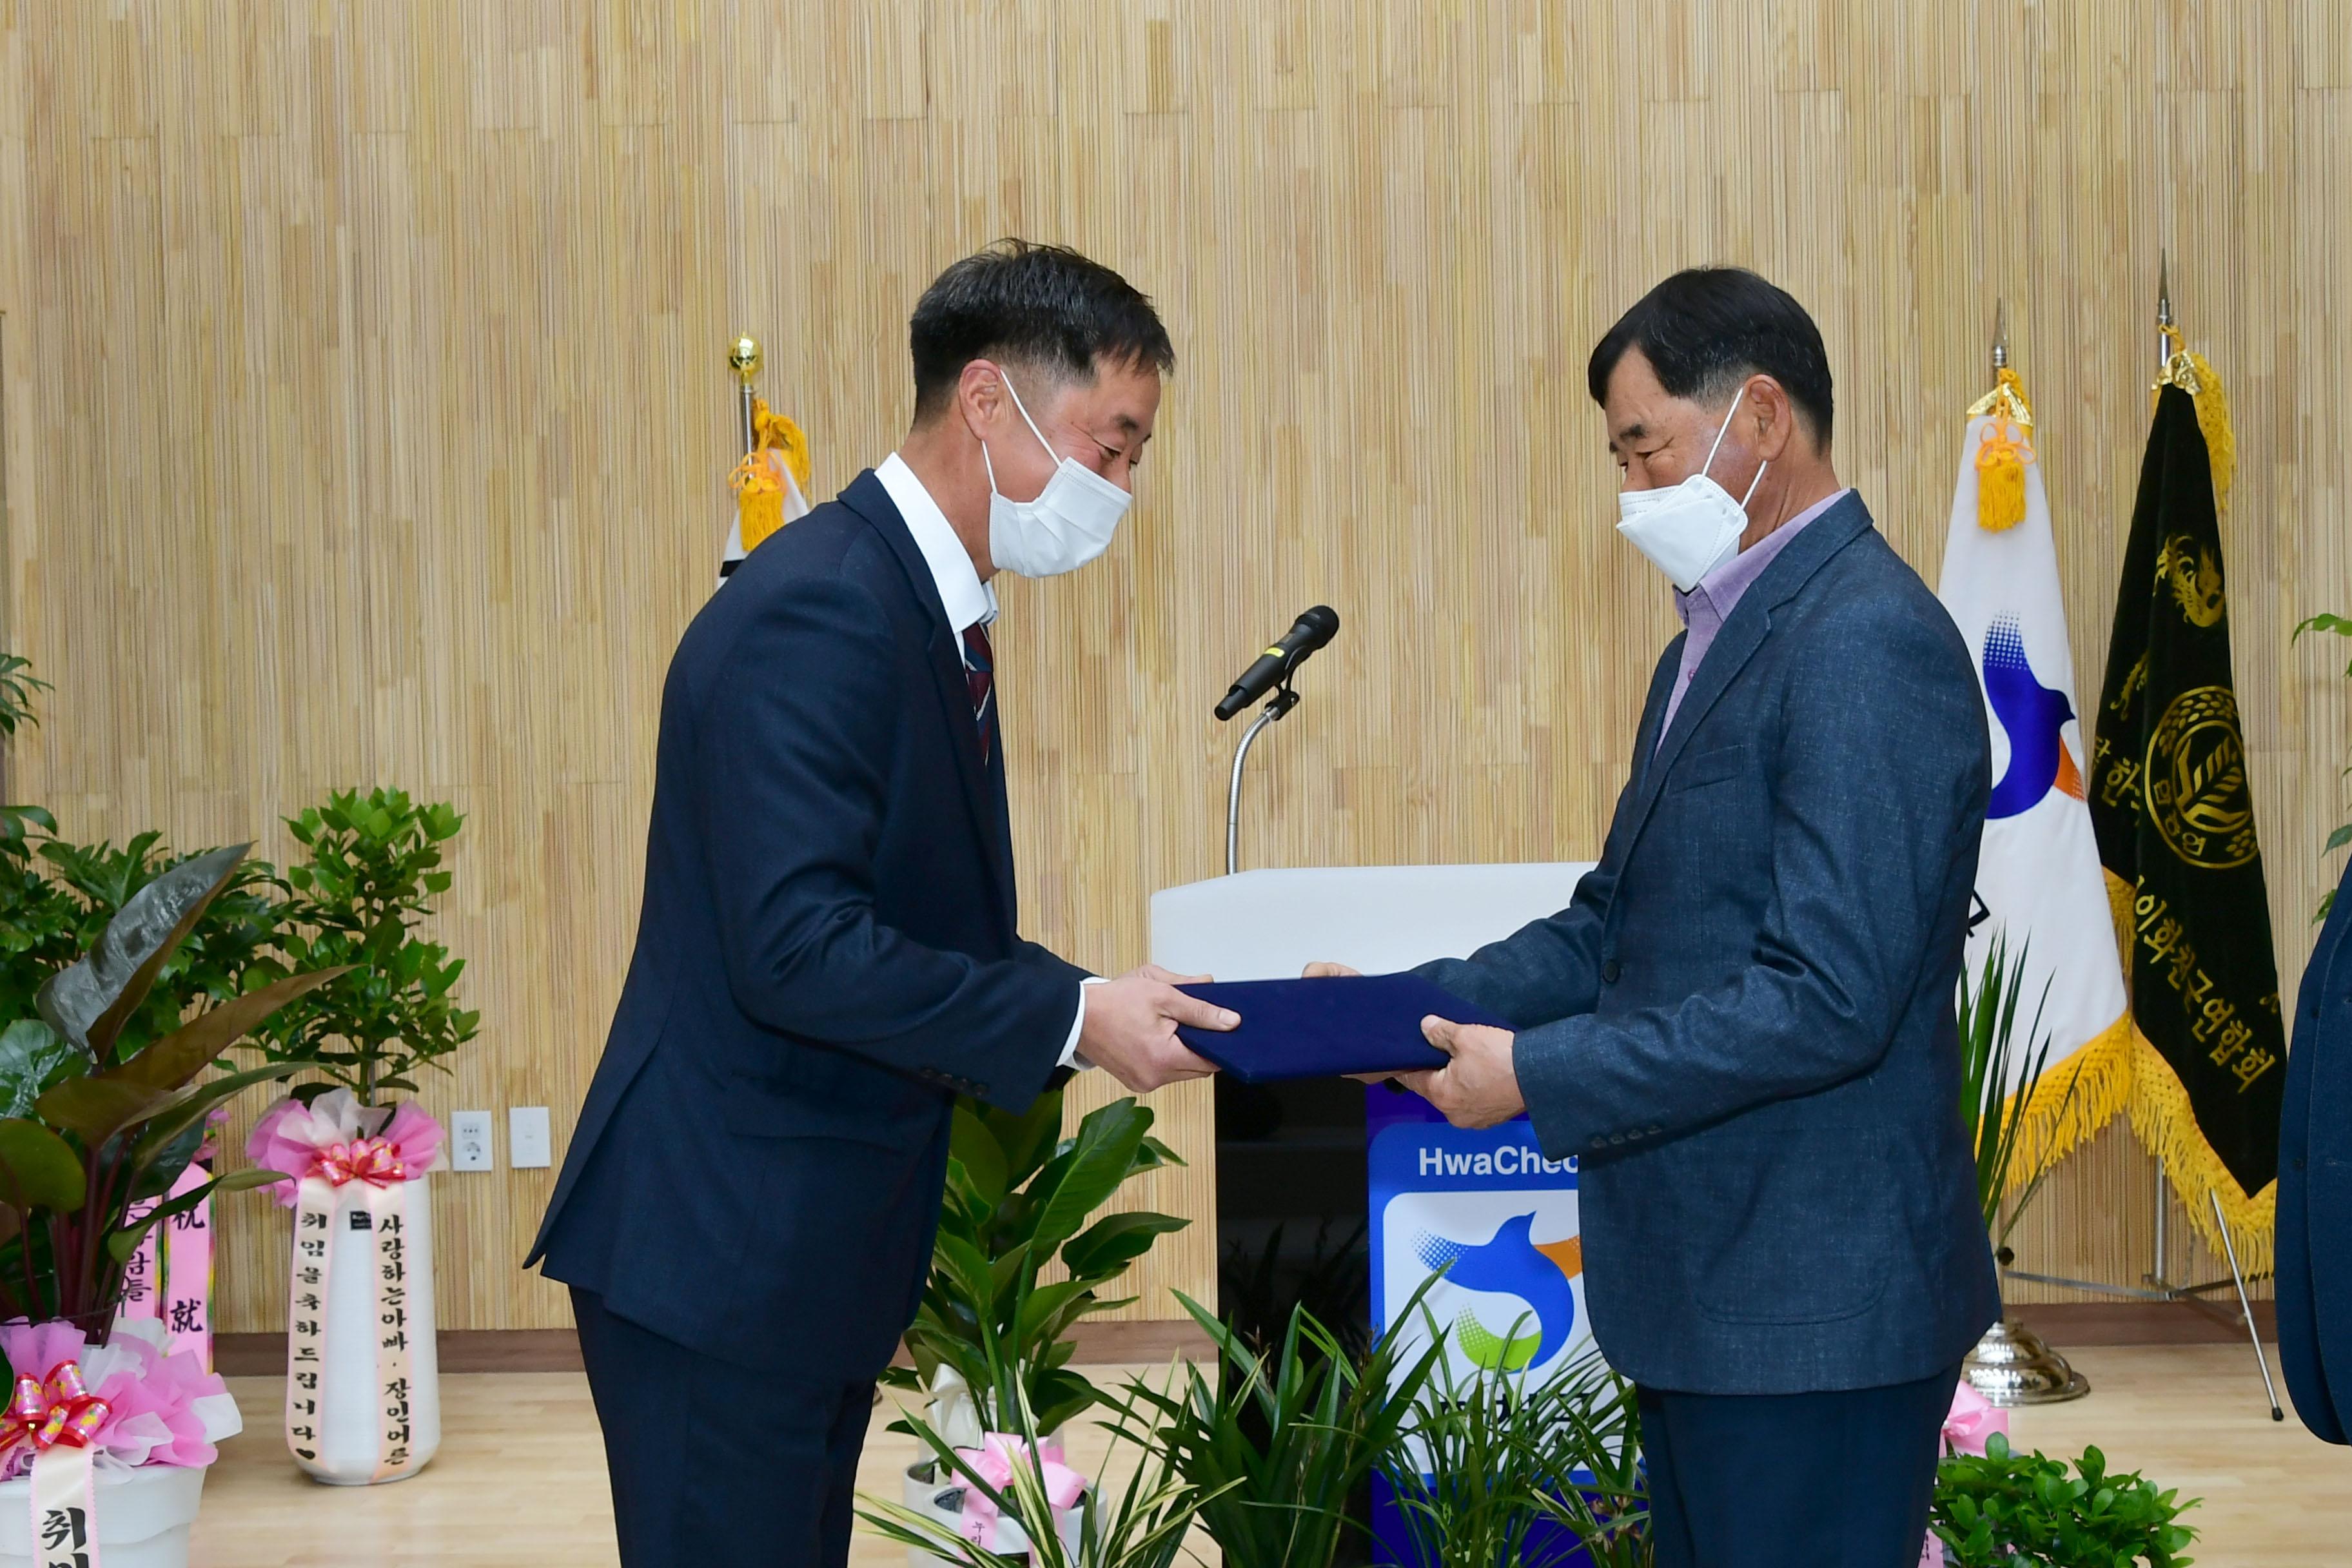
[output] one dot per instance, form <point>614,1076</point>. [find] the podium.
<point>1487,1205</point>
<point>1488,1201</point>
<point>1268,925</point>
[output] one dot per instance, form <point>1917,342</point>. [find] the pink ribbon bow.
<point>992,1462</point>
<point>370,1159</point>
<point>46,1414</point>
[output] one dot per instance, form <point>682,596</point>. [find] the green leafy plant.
<point>2342,627</point>
<point>91,884</point>
<point>1279,1441</point>
<point>1142,1524</point>
<point>1488,1468</point>
<point>2006,1508</point>
<point>1259,1288</point>
<point>86,1131</point>
<point>17,684</point>
<point>1992,1112</point>
<point>372,870</point>
<point>1606,1502</point>
<point>1018,1200</point>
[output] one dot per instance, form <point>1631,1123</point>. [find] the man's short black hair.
<point>1706,330</point>
<point>1043,305</point>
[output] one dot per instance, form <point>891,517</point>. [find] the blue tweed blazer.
<point>1743,1025</point>
<point>2315,1187</point>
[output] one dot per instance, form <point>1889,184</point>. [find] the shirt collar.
<point>1724,586</point>
<point>968,601</point>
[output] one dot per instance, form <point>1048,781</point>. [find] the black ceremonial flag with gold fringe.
<point>2175,819</point>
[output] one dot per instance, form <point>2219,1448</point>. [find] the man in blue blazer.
<point>827,952</point>
<point>1742,1026</point>
<point>2314,1187</point>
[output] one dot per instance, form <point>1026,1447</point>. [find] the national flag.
<point>2038,877</point>
<point>771,485</point>
<point>2175,814</point>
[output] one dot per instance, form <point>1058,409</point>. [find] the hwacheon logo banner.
<point>1501,1220</point>
<point>2174,812</point>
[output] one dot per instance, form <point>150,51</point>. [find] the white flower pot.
<point>143,1517</point>
<point>348,1414</point>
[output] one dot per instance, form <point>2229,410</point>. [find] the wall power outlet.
<point>469,1141</point>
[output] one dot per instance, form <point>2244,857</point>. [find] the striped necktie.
<point>980,676</point>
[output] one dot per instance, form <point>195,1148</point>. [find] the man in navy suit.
<point>827,952</point>
<point>1742,1026</point>
<point>2314,1187</point>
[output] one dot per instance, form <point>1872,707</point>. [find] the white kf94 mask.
<point>1069,524</point>
<point>1690,529</point>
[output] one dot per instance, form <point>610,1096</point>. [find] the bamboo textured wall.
<point>366,413</point>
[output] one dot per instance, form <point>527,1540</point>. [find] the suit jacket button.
<point>1609,971</point>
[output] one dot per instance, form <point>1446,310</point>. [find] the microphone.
<point>1307,634</point>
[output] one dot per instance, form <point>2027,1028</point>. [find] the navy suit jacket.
<point>1743,1025</point>
<point>2315,1187</point>
<point>825,956</point>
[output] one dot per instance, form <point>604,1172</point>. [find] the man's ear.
<point>980,394</point>
<point>1775,415</point>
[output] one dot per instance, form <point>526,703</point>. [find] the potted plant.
<point>1281,1443</point>
<point>2006,1510</point>
<point>990,1338</point>
<point>1013,1502</point>
<point>2342,834</point>
<point>360,1326</point>
<point>1496,1466</point>
<point>109,1431</point>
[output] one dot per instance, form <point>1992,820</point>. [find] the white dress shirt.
<point>968,603</point>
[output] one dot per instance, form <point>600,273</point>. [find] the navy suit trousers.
<point>715,1465</point>
<point>1794,1480</point>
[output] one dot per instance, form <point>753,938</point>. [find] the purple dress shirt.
<point>1705,607</point>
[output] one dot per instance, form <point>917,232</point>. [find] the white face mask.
<point>1690,529</point>
<point>1069,524</point>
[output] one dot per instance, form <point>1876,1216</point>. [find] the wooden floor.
<point>521,1478</point>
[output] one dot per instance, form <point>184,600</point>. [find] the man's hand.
<point>1479,1088</point>
<point>1324,970</point>
<point>1130,1028</point>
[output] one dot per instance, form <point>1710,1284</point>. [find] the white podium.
<point>1486,1207</point>
<point>1268,925</point>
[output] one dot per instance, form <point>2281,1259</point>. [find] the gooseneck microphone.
<point>1273,667</point>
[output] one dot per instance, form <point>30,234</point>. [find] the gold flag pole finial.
<point>1999,337</point>
<point>743,359</point>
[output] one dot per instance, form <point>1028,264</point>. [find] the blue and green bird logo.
<point>1510,1263</point>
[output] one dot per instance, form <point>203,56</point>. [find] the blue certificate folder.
<point>1326,1029</point>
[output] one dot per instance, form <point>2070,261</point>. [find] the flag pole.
<point>743,359</point>
<point>2164,322</point>
<point>2158,1274</point>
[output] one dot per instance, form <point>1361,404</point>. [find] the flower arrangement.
<point>130,1401</point>
<point>336,1139</point>
<point>90,1133</point>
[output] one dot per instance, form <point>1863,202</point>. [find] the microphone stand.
<point>1285,700</point>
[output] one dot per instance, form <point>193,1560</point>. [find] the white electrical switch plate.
<point>469,1141</point>
<point>529,1145</point>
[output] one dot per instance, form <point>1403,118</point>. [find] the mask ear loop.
<point>1729,414</point>
<point>1021,409</point>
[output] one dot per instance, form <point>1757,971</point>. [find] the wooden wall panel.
<point>365,415</point>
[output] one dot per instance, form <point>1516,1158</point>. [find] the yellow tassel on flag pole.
<point>757,481</point>
<point>2002,451</point>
